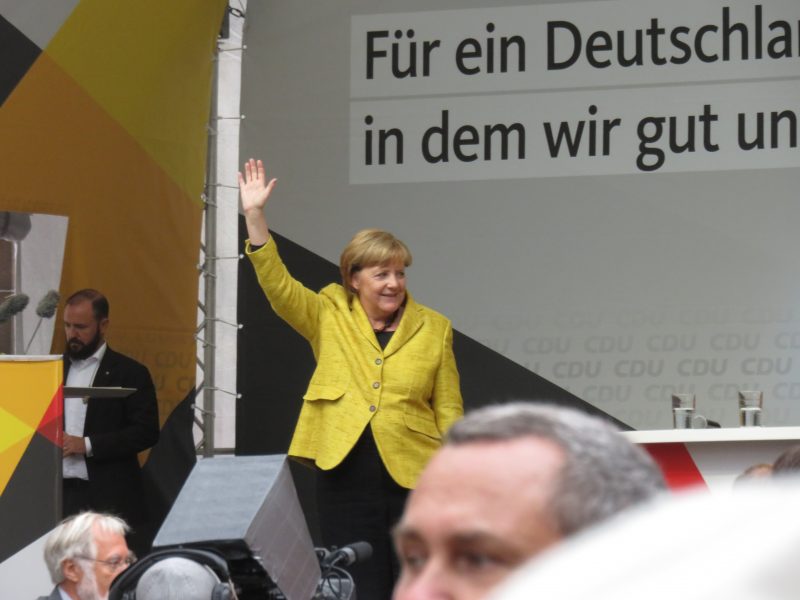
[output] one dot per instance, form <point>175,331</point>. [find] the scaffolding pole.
<point>208,306</point>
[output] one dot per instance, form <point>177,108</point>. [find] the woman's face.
<point>381,289</point>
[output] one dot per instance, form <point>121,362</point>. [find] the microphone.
<point>48,304</point>
<point>12,305</point>
<point>45,309</point>
<point>347,555</point>
<point>14,226</point>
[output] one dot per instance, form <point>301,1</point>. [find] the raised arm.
<point>290,299</point>
<point>255,190</point>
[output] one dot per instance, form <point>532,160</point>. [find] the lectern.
<point>31,436</point>
<point>31,407</point>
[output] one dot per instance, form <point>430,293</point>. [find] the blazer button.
<point>372,408</point>
<point>378,361</point>
<point>376,385</point>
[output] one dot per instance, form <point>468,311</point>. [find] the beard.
<point>87,587</point>
<point>77,350</point>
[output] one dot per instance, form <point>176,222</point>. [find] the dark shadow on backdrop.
<point>169,464</point>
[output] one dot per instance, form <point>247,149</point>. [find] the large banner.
<point>104,120</point>
<point>566,89</point>
<point>604,192</point>
<point>105,106</point>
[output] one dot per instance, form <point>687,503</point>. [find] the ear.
<point>355,280</point>
<point>102,326</point>
<point>72,570</point>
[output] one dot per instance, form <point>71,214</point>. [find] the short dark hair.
<point>603,472</point>
<point>788,462</point>
<point>98,300</point>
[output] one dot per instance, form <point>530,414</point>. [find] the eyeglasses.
<point>114,563</point>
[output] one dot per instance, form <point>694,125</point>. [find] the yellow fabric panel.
<point>12,431</point>
<point>133,58</point>
<point>10,457</point>
<point>26,389</point>
<point>133,232</point>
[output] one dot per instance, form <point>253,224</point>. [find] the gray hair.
<point>603,472</point>
<point>73,538</point>
<point>177,578</point>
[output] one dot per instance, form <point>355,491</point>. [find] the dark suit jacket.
<point>120,428</point>
<point>54,595</point>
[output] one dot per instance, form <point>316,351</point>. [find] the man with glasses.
<point>84,554</point>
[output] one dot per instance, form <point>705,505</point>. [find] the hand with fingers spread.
<point>254,190</point>
<point>254,187</point>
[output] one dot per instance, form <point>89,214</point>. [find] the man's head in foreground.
<point>510,481</point>
<point>85,552</point>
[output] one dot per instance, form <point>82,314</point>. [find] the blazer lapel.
<point>67,363</point>
<point>103,376</point>
<point>362,322</point>
<point>101,379</point>
<point>410,323</point>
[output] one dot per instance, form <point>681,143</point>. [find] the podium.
<point>713,457</point>
<point>31,408</point>
<point>31,436</point>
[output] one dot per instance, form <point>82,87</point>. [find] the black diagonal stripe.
<point>168,465</point>
<point>30,506</point>
<point>488,377</point>
<point>17,54</point>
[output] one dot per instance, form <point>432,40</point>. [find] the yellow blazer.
<point>409,393</point>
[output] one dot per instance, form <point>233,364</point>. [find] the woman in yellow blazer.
<point>384,391</point>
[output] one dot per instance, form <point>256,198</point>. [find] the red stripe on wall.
<point>677,464</point>
<point>50,425</point>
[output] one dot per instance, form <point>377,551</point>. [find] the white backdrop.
<point>618,273</point>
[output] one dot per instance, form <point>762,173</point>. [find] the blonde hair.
<point>368,248</point>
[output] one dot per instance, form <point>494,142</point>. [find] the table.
<point>713,457</point>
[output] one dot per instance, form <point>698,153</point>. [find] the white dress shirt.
<point>81,374</point>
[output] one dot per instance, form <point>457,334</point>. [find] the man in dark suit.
<point>102,436</point>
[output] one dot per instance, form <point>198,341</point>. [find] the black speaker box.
<point>246,509</point>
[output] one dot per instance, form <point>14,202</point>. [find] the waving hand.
<point>254,190</point>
